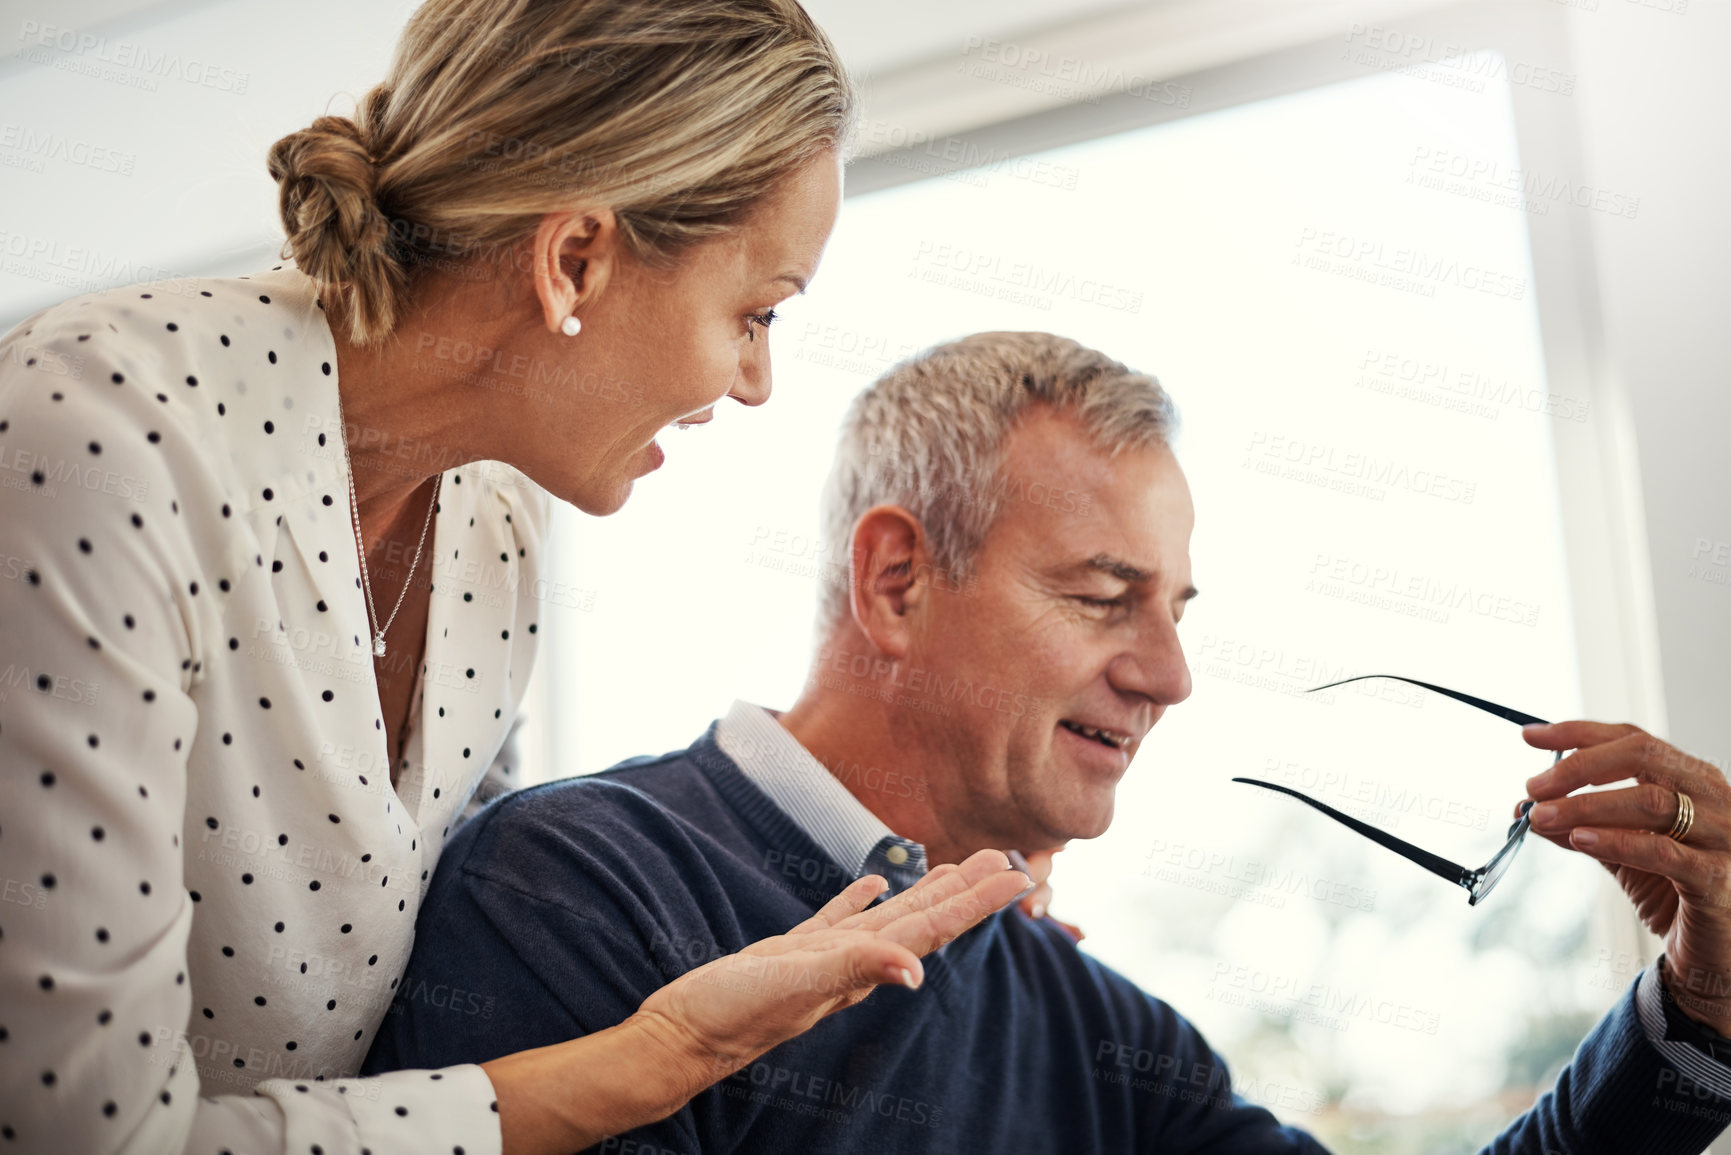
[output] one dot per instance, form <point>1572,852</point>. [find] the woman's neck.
<point>407,417</point>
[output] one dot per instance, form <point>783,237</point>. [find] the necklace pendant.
<point>378,645</point>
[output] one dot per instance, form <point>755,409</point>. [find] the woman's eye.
<point>763,318</point>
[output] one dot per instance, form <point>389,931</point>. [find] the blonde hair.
<point>679,115</point>
<point>929,437</point>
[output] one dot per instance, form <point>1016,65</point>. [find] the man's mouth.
<point>1110,738</point>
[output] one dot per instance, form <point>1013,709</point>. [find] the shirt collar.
<point>840,824</point>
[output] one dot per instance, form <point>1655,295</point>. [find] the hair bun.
<point>328,196</point>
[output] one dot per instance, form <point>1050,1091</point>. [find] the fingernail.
<point>1543,813</point>
<point>909,980</point>
<point>1039,910</point>
<point>1536,726</point>
<point>1586,837</point>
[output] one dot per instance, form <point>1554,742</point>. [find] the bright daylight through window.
<point>1335,287</point>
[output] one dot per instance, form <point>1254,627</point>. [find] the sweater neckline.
<point>775,826</point>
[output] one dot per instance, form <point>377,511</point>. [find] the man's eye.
<point>1105,603</point>
<point>764,318</point>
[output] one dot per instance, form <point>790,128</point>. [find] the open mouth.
<point>1108,738</point>
<point>693,419</point>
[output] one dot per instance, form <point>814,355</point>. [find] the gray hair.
<point>929,436</point>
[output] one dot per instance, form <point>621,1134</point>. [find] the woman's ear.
<point>885,586</point>
<point>572,256</point>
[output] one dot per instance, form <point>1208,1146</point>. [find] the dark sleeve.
<point>1178,1088</point>
<point>1618,1095</point>
<point>1201,1113</point>
<point>496,969</point>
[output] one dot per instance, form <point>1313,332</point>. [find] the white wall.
<point>1655,111</point>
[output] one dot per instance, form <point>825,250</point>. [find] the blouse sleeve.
<point>99,621</point>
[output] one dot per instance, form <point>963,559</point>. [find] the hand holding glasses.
<point>1477,883</point>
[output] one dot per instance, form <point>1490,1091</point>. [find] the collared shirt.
<point>194,776</point>
<point>1693,1062</point>
<point>813,797</point>
<point>857,839</point>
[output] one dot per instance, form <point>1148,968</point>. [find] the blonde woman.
<point>277,584</point>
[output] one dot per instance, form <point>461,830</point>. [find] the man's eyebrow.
<point>1118,568</point>
<point>1125,572</point>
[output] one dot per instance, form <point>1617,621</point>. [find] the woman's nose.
<point>752,385</point>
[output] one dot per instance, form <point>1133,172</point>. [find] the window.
<point>1335,286</point>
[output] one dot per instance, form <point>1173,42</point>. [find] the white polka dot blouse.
<point>208,883</point>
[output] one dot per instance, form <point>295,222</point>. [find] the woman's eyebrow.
<point>793,279</point>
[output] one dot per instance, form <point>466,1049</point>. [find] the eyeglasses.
<point>1477,883</point>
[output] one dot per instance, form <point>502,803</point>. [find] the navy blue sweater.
<point>558,909</point>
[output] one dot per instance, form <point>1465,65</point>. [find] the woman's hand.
<point>1681,890</point>
<point>707,1024</point>
<point>1038,864</point>
<point>724,1014</point>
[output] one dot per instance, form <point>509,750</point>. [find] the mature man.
<point>1005,639</point>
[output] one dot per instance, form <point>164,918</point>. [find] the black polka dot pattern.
<point>205,745</point>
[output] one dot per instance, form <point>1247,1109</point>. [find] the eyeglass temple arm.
<point>1436,864</point>
<point>1515,716</point>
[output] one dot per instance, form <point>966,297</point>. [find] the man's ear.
<point>572,256</point>
<point>887,582</point>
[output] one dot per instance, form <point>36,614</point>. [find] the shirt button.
<point>896,855</point>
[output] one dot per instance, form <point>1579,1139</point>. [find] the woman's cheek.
<point>720,376</point>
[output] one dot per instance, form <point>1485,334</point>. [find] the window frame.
<point>1598,478</point>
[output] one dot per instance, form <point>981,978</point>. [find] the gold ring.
<point>1685,817</point>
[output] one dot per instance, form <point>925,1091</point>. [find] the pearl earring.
<point>570,326</point>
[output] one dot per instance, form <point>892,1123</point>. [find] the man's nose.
<point>1155,667</point>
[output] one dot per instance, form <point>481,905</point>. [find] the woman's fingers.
<point>936,872</point>
<point>1037,864</point>
<point>854,897</point>
<point>947,901</point>
<point>1034,904</point>
<point>923,931</point>
<point>880,960</point>
<point>742,1004</point>
<point>1647,806</point>
<point>954,891</point>
<point>938,886</point>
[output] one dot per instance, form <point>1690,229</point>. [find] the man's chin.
<point>1092,829</point>
<point>1074,822</point>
